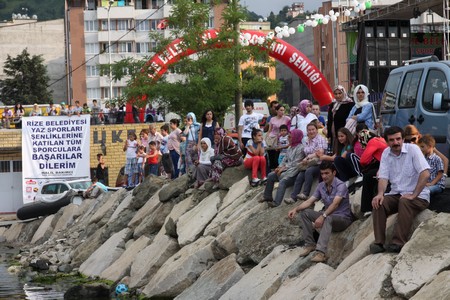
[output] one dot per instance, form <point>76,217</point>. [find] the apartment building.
<point>103,31</point>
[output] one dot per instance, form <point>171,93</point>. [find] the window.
<point>90,26</point>
<point>17,166</point>
<point>115,92</point>
<point>93,93</point>
<point>122,24</point>
<point>142,25</point>
<point>113,47</point>
<point>153,45</point>
<point>154,24</point>
<point>408,93</point>
<point>125,47</point>
<point>92,48</point>
<point>390,91</point>
<point>211,22</point>
<point>5,166</point>
<point>142,47</point>
<point>92,71</point>
<point>435,83</point>
<point>104,25</point>
<point>50,189</point>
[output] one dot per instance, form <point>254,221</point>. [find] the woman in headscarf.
<point>203,165</point>
<point>287,171</point>
<point>191,134</point>
<point>227,154</point>
<point>338,112</point>
<point>304,115</point>
<point>363,111</point>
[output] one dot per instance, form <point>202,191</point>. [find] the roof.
<point>403,10</point>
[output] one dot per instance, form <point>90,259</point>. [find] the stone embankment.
<point>168,241</point>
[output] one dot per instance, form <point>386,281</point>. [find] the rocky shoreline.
<point>165,240</point>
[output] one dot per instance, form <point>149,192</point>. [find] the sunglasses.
<point>411,140</point>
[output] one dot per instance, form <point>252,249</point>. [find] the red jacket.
<point>373,150</point>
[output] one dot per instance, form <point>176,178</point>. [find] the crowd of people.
<point>109,114</point>
<point>397,171</point>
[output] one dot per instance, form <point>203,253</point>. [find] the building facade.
<point>100,32</point>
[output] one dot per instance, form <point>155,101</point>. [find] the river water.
<point>13,287</point>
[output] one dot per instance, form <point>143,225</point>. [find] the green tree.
<point>208,79</point>
<point>27,80</point>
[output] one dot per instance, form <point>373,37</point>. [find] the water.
<point>13,287</point>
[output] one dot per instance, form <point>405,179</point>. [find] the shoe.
<point>319,257</point>
<point>302,197</point>
<point>272,204</point>
<point>307,250</point>
<point>367,214</point>
<point>358,179</point>
<point>376,248</point>
<point>254,182</point>
<point>262,200</point>
<point>393,248</point>
<point>350,182</point>
<point>263,181</point>
<point>289,201</point>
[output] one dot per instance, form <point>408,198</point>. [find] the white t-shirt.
<point>248,122</point>
<point>131,149</point>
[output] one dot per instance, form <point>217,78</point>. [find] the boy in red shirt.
<point>152,158</point>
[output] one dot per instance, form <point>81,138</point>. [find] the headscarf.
<point>346,99</point>
<point>365,101</point>
<point>193,117</point>
<point>302,105</point>
<point>364,136</point>
<point>206,155</point>
<point>220,131</point>
<point>296,137</point>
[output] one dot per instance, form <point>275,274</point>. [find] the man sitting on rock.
<point>95,190</point>
<point>405,167</point>
<point>336,215</point>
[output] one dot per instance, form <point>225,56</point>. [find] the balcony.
<point>104,82</point>
<point>116,35</point>
<point>116,12</point>
<point>104,58</point>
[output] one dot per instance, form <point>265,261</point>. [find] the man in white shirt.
<point>405,167</point>
<point>247,122</point>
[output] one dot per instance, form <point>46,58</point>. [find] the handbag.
<point>271,141</point>
<point>351,125</point>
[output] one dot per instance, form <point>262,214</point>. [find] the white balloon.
<point>286,33</point>
<point>347,13</point>
<point>331,12</point>
<point>279,35</point>
<point>285,28</point>
<point>357,10</point>
<point>270,35</point>
<point>325,21</point>
<point>336,14</point>
<point>355,3</point>
<point>308,23</point>
<point>246,43</point>
<point>333,18</point>
<point>247,36</point>
<point>277,29</point>
<point>261,40</point>
<point>362,7</point>
<point>314,23</point>
<point>291,30</point>
<point>260,20</point>
<point>265,19</point>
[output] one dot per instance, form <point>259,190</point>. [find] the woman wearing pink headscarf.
<point>287,171</point>
<point>304,116</point>
<point>338,112</point>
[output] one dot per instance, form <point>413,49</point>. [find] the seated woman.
<point>254,158</point>
<point>287,171</point>
<point>363,111</point>
<point>314,143</point>
<point>203,165</point>
<point>226,154</point>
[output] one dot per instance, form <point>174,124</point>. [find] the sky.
<point>264,7</point>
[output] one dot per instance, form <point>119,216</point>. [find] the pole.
<point>237,71</point>
<point>68,52</point>
<point>109,53</point>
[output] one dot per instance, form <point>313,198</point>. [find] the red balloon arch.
<point>279,49</point>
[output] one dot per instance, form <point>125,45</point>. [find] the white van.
<point>418,94</point>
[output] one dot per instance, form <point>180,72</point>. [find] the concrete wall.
<point>41,38</point>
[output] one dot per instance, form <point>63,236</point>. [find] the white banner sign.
<point>53,148</point>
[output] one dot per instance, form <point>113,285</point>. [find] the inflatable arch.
<point>280,50</point>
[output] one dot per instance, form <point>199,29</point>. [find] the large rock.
<point>123,206</point>
<point>425,255</point>
<point>44,231</point>
<point>264,280</point>
<point>436,289</point>
<point>151,258</point>
<point>363,280</point>
<point>107,208</point>
<point>27,232</point>
<point>69,214</point>
<point>181,270</point>
<point>236,190</point>
<point>191,225</point>
<point>85,249</point>
<point>153,222</point>
<point>122,266</point>
<point>232,175</point>
<point>13,232</point>
<point>213,283</point>
<point>146,190</point>
<point>177,211</point>
<point>174,189</point>
<point>106,255</point>
<point>144,211</point>
<point>305,286</point>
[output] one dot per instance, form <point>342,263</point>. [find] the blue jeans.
<point>435,189</point>
<point>175,157</point>
<point>305,177</point>
<point>153,169</point>
<point>284,183</point>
